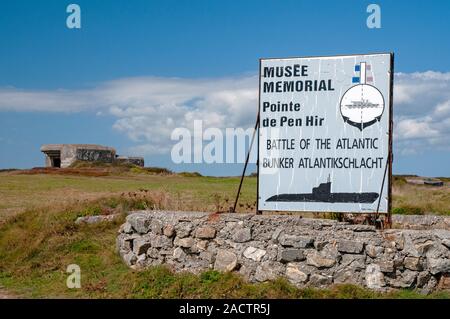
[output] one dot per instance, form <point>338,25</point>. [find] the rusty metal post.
<point>246,163</point>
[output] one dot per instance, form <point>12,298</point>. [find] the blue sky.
<point>125,47</point>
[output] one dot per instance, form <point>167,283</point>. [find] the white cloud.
<point>422,111</point>
<point>416,129</point>
<point>147,109</point>
<point>443,109</point>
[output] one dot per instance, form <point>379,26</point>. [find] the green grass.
<point>36,247</point>
<point>420,199</point>
<point>39,238</point>
<point>20,192</point>
<point>187,191</point>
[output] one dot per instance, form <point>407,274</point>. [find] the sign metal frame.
<point>388,168</point>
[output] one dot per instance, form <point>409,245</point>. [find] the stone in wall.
<point>421,222</point>
<point>307,252</point>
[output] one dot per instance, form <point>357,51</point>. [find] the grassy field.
<point>38,236</point>
<point>22,191</point>
<point>420,199</point>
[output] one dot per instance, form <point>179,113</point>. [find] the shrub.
<point>158,170</point>
<point>190,174</point>
<point>407,210</point>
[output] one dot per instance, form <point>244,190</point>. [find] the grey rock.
<point>352,261</point>
<point>186,242</point>
<point>295,274</point>
<point>348,276</point>
<point>317,260</point>
<point>398,262</point>
<point>361,228</point>
<point>423,278</point>
<point>446,243</point>
<point>96,219</point>
<point>404,279</point>
<point>276,234</point>
<point>437,251</point>
<point>320,280</point>
<point>444,282</point>
<point>156,262</point>
<point>129,258</point>
<point>161,241</point>
<point>350,246</point>
<point>254,253</point>
<point>438,265</point>
<point>225,260</point>
<point>123,244</point>
<point>291,254</point>
<point>409,247</point>
<point>430,286</point>
<point>247,270</point>
<point>272,252</point>
<point>205,232</point>
<point>296,241</point>
<point>153,253</point>
<point>208,256</point>
<point>424,245</point>
<point>374,277</point>
<point>319,245</point>
<point>183,229</point>
<point>140,245</point>
<point>165,252</point>
<point>374,251</point>
<point>169,231</point>
<point>412,263</point>
<point>268,271</point>
<point>140,222</point>
<point>179,254</point>
<point>156,227</point>
<point>202,245</point>
<point>386,266</point>
<point>307,269</point>
<point>242,235</point>
<point>127,228</point>
<point>140,261</point>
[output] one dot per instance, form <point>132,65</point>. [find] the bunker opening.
<point>53,158</point>
<point>56,162</point>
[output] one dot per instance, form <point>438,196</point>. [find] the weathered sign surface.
<point>324,137</point>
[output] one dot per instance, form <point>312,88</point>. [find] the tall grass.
<point>420,199</point>
<point>36,247</point>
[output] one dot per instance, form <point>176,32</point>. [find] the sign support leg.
<point>381,191</point>
<point>246,163</point>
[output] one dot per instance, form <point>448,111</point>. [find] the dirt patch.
<point>7,295</point>
<point>94,171</point>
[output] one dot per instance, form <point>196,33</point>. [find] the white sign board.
<point>325,134</point>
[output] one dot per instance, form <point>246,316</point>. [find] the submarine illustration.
<point>361,104</point>
<point>323,194</point>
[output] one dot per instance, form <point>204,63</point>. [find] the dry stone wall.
<point>307,252</point>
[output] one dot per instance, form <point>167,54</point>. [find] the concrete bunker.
<point>64,155</point>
